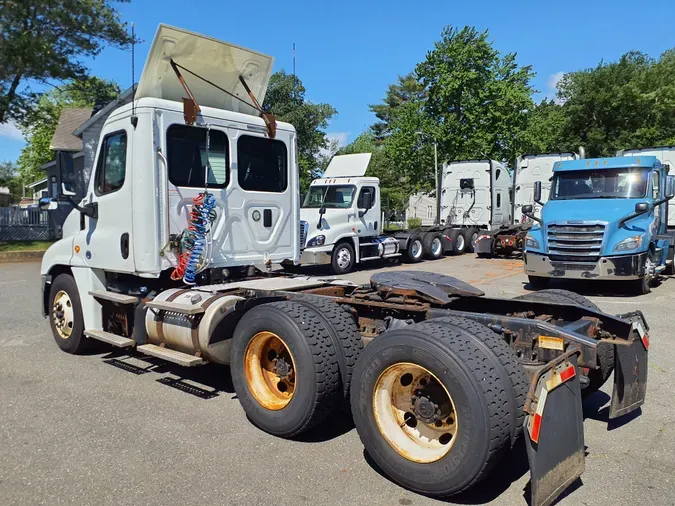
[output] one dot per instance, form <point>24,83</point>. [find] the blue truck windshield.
<point>600,184</point>
<point>330,197</point>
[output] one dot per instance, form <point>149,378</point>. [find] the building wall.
<point>421,206</point>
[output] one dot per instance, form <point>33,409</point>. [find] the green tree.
<point>545,125</point>
<point>619,105</point>
<point>285,99</point>
<point>475,105</point>
<point>40,123</point>
<point>10,179</point>
<point>407,88</point>
<point>45,41</point>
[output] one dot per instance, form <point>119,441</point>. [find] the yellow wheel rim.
<point>415,413</point>
<point>62,314</point>
<point>270,371</point>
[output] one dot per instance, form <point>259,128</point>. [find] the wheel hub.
<point>428,404</point>
<point>62,314</point>
<point>282,367</point>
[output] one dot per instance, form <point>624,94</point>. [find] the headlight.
<point>316,241</point>
<point>531,242</point>
<point>629,243</point>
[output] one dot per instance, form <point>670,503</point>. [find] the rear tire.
<point>478,410</point>
<point>470,236</point>
<point>344,331</point>
<point>415,250</point>
<point>290,382</point>
<point>517,385</point>
<point>343,259</point>
<point>599,376</point>
<point>433,245</point>
<point>65,315</point>
<point>458,241</point>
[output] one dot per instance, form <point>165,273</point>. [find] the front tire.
<point>284,368</point>
<point>537,282</point>
<point>65,315</point>
<point>343,258</point>
<point>436,451</point>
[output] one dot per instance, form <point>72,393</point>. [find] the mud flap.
<point>483,245</point>
<point>555,430</point>
<point>630,373</point>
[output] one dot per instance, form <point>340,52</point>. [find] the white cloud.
<point>552,84</point>
<point>336,140</point>
<point>10,131</point>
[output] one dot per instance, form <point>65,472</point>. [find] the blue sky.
<point>349,51</point>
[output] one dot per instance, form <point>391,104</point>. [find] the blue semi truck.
<point>606,219</point>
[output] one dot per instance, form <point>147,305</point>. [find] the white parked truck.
<point>156,260</point>
<point>342,222</point>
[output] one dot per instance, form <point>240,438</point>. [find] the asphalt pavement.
<point>110,428</point>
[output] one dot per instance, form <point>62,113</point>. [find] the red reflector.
<point>645,341</point>
<point>566,374</point>
<point>536,427</point>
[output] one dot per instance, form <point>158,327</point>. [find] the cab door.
<point>105,239</point>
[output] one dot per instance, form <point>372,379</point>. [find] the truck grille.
<point>304,227</point>
<point>581,242</point>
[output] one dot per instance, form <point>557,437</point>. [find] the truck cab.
<point>341,218</point>
<point>606,219</point>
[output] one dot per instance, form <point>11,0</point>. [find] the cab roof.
<point>617,162</point>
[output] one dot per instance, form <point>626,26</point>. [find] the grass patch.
<point>7,246</point>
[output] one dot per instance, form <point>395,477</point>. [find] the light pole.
<point>439,182</point>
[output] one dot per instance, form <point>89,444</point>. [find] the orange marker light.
<point>77,249</point>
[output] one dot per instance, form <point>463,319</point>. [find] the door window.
<point>262,164</point>
<point>112,163</point>
<point>656,177</point>
<point>364,190</point>
<point>186,155</point>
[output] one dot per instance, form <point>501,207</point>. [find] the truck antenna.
<point>134,118</point>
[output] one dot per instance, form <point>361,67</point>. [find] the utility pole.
<point>439,184</point>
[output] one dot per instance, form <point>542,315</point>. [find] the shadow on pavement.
<point>598,288</point>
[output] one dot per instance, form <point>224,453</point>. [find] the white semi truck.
<point>342,222</point>
<point>157,260</point>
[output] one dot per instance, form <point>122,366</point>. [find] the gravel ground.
<point>107,428</point>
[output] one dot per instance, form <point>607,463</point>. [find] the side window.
<point>186,154</point>
<point>366,189</point>
<point>656,177</point>
<point>112,163</point>
<point>499,201</point>
<point>262,164</point>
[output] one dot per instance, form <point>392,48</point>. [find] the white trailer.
<point>474,197</point>
<point>666,155</point>
<point>157,260</point>
<point>530,169</point>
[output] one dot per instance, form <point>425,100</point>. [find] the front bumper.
<point>316,256</point>
<point>623,267</point>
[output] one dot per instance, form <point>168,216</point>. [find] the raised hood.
<point>348,165</point>
<point>219,62</point>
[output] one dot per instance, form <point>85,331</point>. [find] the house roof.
<point>71,118</point>
<point>79,129</point>
<point>37,183</point>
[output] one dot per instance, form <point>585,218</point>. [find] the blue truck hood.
<point>609,211</point>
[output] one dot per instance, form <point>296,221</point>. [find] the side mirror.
<point>537,191</point>
<point>527,209</point>
<point>641,207</point>
<point>47,204</point>
<point>367,202</point>
<point>670,187</point>
<point>64,175</point>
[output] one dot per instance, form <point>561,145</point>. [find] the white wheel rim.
<point>436,246</point>
<point>399,421</point>
<point>343,258</point>
<point>416,248</point>
<point>460,243</point>
<point>62,314</point>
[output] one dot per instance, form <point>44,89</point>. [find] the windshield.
<point>330,197</point>
<point>599,184</point>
